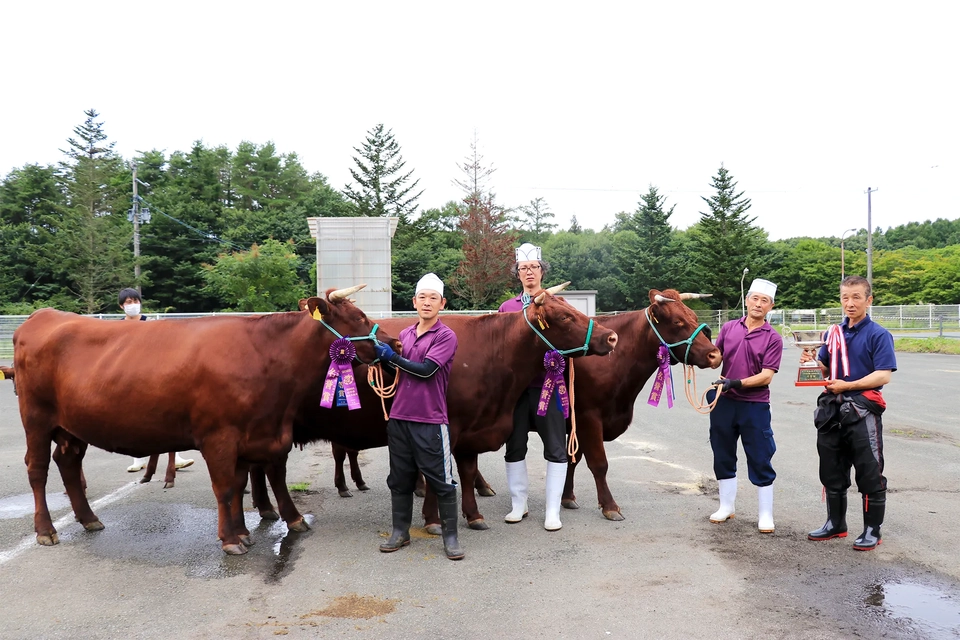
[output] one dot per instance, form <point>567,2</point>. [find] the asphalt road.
<point>157,571</point>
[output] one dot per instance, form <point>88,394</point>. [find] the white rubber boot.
<point>556,478</point>
<point>182,463</point>
<point>728,498</point>
<point>138,464</point>
<point>518,486</point>
<point>765,520</point>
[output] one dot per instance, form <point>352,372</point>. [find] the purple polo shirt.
<point>869,349</point>
<point>510,306</point>
<point>746,353</point>
<point>425,399</point>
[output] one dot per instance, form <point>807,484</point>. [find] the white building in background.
<point>353,251</point>
<point>584,301</point>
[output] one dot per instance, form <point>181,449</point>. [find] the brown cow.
<point>228,386</point>
<point>607,389</point>
<point>497,357</point>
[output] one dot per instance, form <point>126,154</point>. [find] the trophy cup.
<point>809,374</point>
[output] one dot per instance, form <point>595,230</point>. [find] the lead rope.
<point>690,389</point>
<point>573,445</point>
<point>375,379</point>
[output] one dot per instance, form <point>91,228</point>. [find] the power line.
<point>207,235</point>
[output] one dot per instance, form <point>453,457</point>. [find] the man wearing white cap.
<point>417,434</point>
<point>530,269</point>
<point>751,355</point>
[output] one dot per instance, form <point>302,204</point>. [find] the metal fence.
<point>930,317</point>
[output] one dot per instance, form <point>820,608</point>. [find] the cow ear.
<point>317,306</point>
<point>653,295</point>
<point>302,305</point>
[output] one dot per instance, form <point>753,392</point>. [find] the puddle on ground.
<point>22,505</point>
<point>932,611</point>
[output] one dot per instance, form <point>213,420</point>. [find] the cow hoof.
<point>616,516</point>
<point>96,525</point>
<point>144,480</point>
<point>48,540</point>
<point>234,549</point>
<point>433,529</point>
<point>168,485</point>
<point>345,494</point>
<point>420,493</point>
<point>486,492</point>
<point>570,504</point>
<point>246,540</point>
<point>300,526</point>
<point>478,525</point>
<point>270,514</point>
<point>363,487</point>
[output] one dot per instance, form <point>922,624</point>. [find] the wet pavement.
<point>157,571</point>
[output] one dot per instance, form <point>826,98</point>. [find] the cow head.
<point>675,323</point>
<point>565,327</point>
<point>339,314</point>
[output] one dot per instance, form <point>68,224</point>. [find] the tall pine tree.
<point>382,187</point>
<point>645,256</point>
<point>726,241</point>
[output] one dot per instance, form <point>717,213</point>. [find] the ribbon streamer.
<point>664,380</point>
<point>342,353</point>
<point>837,348</point>
<point>554,363</point>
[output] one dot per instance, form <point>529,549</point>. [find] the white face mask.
<point>132,310</point>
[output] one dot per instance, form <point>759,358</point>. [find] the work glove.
<point>384,352</point>
<point>728,384</point>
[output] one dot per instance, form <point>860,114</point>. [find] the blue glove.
<point>384,352</point>
<point>728,384</point>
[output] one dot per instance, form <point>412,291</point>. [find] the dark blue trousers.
<point>750,423</point>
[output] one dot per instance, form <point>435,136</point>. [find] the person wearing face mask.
<point>529,269</point>
<point>130,302</point>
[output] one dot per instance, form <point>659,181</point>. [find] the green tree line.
<point>227,231</point>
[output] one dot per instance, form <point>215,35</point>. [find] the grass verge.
<point>928,345</point>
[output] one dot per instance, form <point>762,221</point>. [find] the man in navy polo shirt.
<point>751,355</point>
<point>417,434</point>
<point>858,359</point>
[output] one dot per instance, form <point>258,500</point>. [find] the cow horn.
<point>557,288</point>
<point>342,294</point>
<point>660,298</point>
<point>694,296</point>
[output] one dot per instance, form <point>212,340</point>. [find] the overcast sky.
<point>582,104</point>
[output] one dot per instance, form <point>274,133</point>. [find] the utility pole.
<point>136,230</point>
<point>869,239</point>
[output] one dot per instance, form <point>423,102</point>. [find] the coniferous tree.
<point>726,241</point>
<point>645,256</point>
<point>382,189</point>
<point>535,220</point>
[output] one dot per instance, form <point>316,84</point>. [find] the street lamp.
<point>743,301</point>
<point>844,235</point>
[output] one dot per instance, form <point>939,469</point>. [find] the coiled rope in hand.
<point>377,379</point>
<point>690,389</point>
<point>573,445</point>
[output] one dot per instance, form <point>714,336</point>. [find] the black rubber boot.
<point>874,508</point>
<point>402,516</point>
<point>448,523</point>
<point>836,524</point>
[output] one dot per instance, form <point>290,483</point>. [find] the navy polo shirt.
<point>869,349</point>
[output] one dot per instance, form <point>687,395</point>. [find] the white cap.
<point>763,287</point>
<point>430,282</point>
<point>527,251</point>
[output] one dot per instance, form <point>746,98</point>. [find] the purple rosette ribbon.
<point>554,363</point>
<point>340,373</point>
<point>664,380</point>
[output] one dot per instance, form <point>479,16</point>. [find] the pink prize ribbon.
<point>837,348</point>
<point>663,381</point>
<point>342,353</point>
<point>554,363</point>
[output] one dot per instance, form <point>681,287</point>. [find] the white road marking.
<point>31,540</point>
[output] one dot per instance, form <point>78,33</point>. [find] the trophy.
<point>809,374</point>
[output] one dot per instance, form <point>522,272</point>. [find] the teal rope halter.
<point>526,299</point>
<point>371,336</point>
<point>688,341</point>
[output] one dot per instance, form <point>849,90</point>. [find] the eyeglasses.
<point>531,269</point>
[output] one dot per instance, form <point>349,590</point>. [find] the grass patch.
<point>299,486</point>
<point>928,345</point>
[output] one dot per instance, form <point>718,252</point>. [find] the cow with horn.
<point>231,387</point>
<point>607,388</point>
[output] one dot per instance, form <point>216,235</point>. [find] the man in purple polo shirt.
<point>857,360</point>
<point>417,434</point>
<point>529,268</point>
<point>751,355</point>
